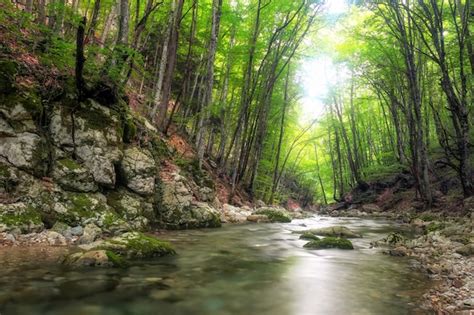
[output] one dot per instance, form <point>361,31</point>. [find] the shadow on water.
<point>247,269</point>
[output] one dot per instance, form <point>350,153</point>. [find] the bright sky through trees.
<point>318,75</point>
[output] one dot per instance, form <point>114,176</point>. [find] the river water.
<point>238,270</point>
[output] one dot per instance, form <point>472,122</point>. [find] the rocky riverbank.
<point>77,173</point>
<point>442,248</point>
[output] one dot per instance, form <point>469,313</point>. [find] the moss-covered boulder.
<point>334,231</point>
<point>275,214</point>
<point>82,208</point>
<point>329,242</point>
<point>309,236</point>
<point>176,208</point>
<point>20,218</point>
<point>434,226</point>
<point>134,245</point>
<point>134,209</point>
<point>73,176</point>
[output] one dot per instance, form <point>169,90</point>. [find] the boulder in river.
<point>334,231</point>
<point>258,218</point>
<point>275,214</point>
<point>393,239</point>
<point>330,242</point>
<point>95,258</point>
<point>134,245</point>
<point>309,236</point>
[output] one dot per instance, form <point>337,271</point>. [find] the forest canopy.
<point>229,76</point>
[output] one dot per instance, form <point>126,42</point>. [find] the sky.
<point>317,74</point>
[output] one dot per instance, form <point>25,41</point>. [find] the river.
<point>238,270</point>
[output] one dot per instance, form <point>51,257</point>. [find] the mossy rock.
<point>427,217</point>
<point>95,258</point>
<point>435,226</point>
<point>21,217</point>
<point>309,236</point>
<point>136,245</point>
<point>333,231</point>
<point>69,164</point>
<point>275,215</point>
<point>191,167</point>
<point>330,242</point>
<point>97,117</point>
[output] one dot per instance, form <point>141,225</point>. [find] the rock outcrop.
<point>83,170</point>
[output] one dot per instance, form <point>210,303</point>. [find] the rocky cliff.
<point>89,165</point>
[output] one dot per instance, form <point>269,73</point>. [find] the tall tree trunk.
<point>207,99</point>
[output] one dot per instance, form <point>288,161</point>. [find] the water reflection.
<point>249,269</point>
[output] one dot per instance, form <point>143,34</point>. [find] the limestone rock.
<point>96,135</point>
<point>17,119</point>
<point>234,214</point>
<point>178,210</point>
<point>73,176</point>
<point>258,218</point>
<point>90,234</point>
<point>100,163</point>
<point>25,151</point>
<point>139,170</point>
<point>136,210</point>
<point>206,194</point>
<point>83,208</point>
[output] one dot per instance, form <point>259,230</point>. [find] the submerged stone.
<point>330,242</point>
<point>308,236</point>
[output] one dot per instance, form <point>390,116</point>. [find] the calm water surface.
<point>241,270</point>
